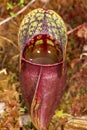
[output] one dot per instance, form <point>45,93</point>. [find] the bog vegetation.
<point>74,101</point>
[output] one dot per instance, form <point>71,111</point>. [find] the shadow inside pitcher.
<point>43,50</point>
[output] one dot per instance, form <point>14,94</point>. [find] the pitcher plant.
<point>42,38</point>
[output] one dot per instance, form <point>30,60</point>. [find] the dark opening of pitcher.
<point>43,49</point>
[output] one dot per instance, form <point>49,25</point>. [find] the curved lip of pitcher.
<point>44,65</point>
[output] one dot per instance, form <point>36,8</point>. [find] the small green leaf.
<point>9,6</point>
<point>60,114</point>
<point>21,3</point>
<point>12,14</point>
<point>29,125</point>
<point>23,109</point>
<point>65,95</point>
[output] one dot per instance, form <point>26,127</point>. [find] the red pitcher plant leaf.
<point>42,37</point>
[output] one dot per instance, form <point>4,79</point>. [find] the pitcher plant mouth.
<point>43,50</point>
